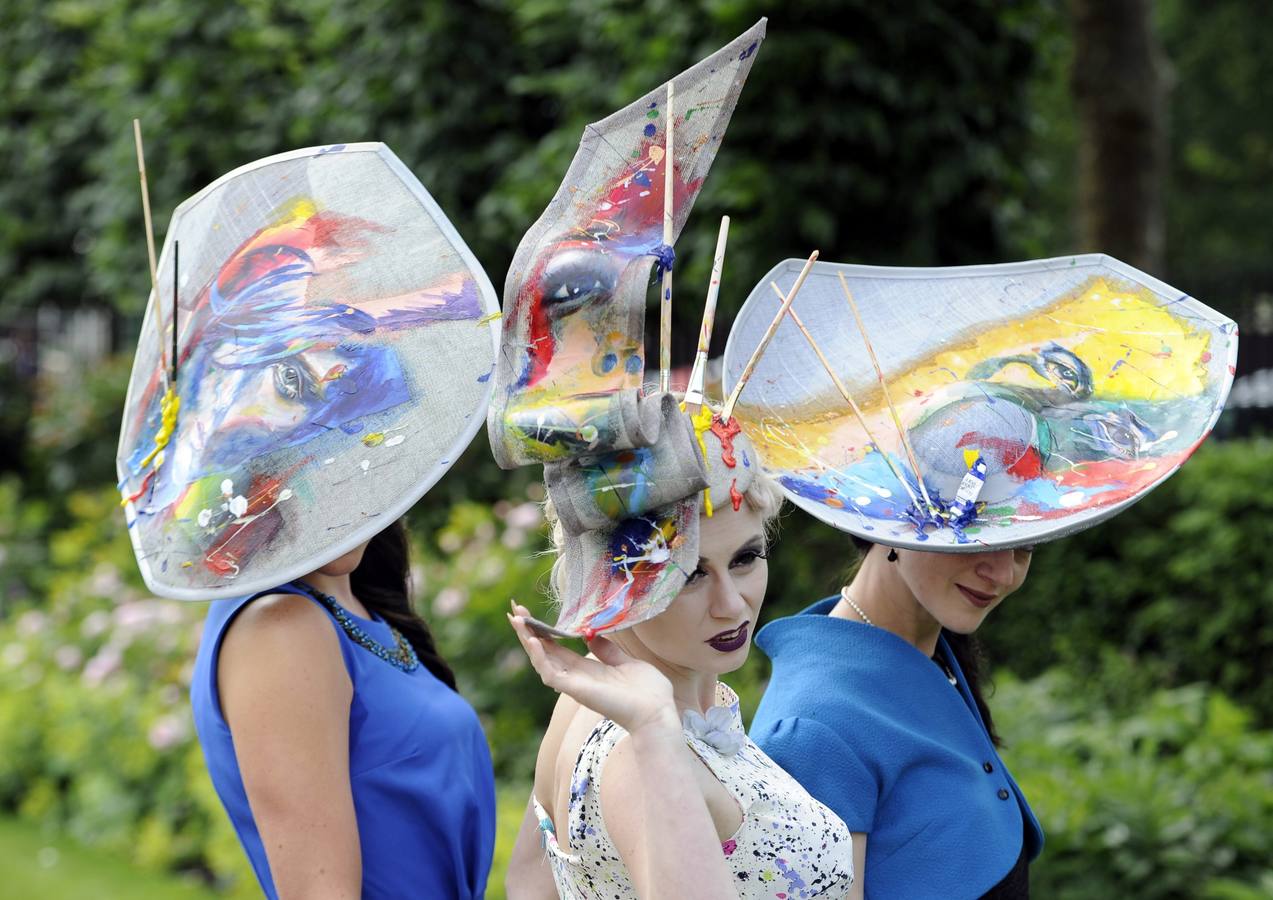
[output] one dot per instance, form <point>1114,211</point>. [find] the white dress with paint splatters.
<point>788,846</point>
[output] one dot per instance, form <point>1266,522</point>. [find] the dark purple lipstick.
<point>729,641</point>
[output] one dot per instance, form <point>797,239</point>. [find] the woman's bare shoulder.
<point>281,640</point>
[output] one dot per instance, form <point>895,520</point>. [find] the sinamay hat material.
<point>624,468</point>
<point>620,567</point>
<point>1038,398</point>
<point>335,347</point>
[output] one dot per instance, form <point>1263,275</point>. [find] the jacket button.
<point>1003,794</point>
<point>988,766</point>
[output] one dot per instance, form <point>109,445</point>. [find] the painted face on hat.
<point>271,361</point>
<point>709,626</point>
<point>960,589</point>
<point>574,335</point>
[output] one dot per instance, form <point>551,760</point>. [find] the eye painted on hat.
<point>576,277</point>
<point>290,380</point>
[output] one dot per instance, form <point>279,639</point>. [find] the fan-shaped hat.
<point>334,347</point>
<point>1036,398</point>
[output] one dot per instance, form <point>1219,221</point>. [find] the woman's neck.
<point>691,688</point>
<point>337,586</point>
<point>884,597</point>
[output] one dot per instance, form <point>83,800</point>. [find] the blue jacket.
<point>875,731</point>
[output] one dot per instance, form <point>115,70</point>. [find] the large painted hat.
<point>335,340</point>
<point>572,364</point>
<point>1035,399</point>
<point>629,519</point>
<point>621,465</point>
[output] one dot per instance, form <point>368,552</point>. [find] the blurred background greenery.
<point>1130,670</point>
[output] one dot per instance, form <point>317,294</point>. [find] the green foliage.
<point>96,739</point>
<point>1221,162</point>
<point>36,864</point>
<point>866,133</point>
<point>1179,585</point>
<point>1171,800</point>
<point>481,558</point>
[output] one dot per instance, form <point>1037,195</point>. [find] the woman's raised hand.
<point>629,692</point>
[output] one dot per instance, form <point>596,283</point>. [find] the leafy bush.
<point>96,737</point>
<point>1174,800</point>
<point>1181,584</point>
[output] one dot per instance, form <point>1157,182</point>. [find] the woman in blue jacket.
<point>875,706</point>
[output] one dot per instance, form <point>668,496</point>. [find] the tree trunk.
<point>1119,84</point>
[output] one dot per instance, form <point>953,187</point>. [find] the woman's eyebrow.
<point>756,545</point>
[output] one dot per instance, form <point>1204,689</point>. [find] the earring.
<point>892,555</point>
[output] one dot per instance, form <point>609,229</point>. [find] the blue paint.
<point>351,427</point>
<point>608,362</point>
<point>633,366</point>
<point>749,51</point>
<point>640,177</point>
<point>485,378</point>
<point>334,148</point>
<point>649,132</point>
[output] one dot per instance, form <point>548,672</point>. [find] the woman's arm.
<point>651,801</point>
<point>858,890</point>
<point>285,695</point>
<point>529,876</point>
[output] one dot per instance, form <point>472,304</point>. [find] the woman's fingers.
<point>558,667</point>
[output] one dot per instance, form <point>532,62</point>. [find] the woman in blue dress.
<point>333,733</point>
<point>876,707</point>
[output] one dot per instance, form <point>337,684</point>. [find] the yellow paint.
<point>490,317</point>
<point>168,408</point>
<point>375,439</point>
<point>702,421</point>
<point>1162,359</point>
<point>970,457</point>
<point>1100,326</point>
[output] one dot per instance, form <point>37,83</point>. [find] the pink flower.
<point>31,623</point>
<point>102,666</point>
<point>167,732</point>
<point>67,657</point>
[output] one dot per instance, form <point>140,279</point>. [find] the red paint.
<point>1206,356</point>
<point>726,432</point>
<point>627,214</point>
<point>145,483</point>
<point>237,542</point>
<point>1020,459</point>
<point>734,496</point>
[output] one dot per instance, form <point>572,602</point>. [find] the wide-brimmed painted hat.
<point>630,519</point>
<point>572,363</point>
<point>1036,398</point>
<point>334,348</point>
<point>569,380</point>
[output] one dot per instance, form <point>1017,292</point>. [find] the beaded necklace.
<point>401,657</point>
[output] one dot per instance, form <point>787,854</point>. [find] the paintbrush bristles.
<point>669,218</point>
<point>879,373</point>
<point>694,392</point>
<point>150,245</point>
<point>844,392</point>
<point>728,411</point>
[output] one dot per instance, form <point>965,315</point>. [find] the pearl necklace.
<point>844,594</point>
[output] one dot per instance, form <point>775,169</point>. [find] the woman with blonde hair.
<point>646,784</point>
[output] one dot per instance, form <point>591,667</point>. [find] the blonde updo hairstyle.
<point>763,497</point>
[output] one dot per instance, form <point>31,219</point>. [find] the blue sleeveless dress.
<point>419,766</point>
